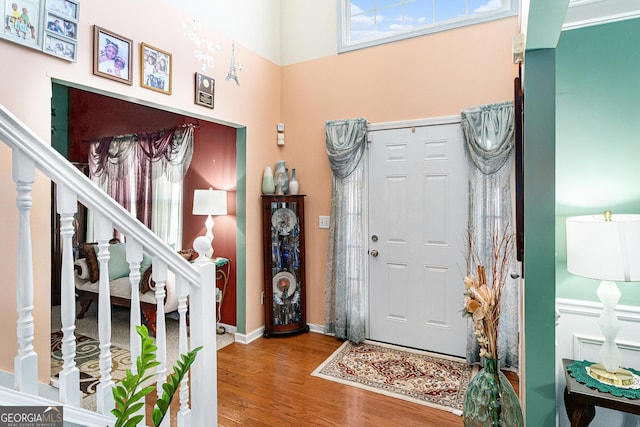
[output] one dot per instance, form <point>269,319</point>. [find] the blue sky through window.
<point>378,18</point>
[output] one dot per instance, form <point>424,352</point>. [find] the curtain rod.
<point>194,125</point>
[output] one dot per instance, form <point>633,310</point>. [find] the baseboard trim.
<point>254,335</point>
<point>250,337</point>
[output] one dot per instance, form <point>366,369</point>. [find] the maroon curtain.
<point>149,154</point>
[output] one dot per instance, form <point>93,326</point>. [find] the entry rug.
<point>87,361</point>
<point>417,376</point>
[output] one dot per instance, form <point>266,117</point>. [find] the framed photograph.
<point>58,46</point>
<point>205,88</point>
<point>112,55</point>
<point>67,9</point>
<point>155,69</point>
<point>22,22</point>
<point>61,27</point>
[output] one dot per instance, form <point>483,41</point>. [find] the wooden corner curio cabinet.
<point>284,273</point>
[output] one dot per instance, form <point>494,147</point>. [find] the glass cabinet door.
<point>283,220</point>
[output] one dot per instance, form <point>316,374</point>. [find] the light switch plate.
<point>324,221</point>
<point>280,127</point>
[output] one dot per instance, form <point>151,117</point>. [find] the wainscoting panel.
<point>578,337</point>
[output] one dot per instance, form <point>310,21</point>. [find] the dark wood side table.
<point>580,400</point>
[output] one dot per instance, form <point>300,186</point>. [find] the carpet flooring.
<point>88,351</point>
<point>426,378</point>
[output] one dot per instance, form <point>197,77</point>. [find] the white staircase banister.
<point>195,283</point>
<point>18,136</point>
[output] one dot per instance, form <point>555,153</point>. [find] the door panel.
<point>418,211</point>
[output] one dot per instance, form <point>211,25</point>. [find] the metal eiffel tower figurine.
<point>232,74</point>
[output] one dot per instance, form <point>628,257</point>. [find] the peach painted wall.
<point>25,90</point>
<point>425,77</point>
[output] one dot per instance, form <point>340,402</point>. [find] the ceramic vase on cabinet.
<point>280,174</point>
<point>490,400</point>
<point>285,184</point>
<point>268,185</point>
<point>294,186</point>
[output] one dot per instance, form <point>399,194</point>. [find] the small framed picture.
<point>205,89</point>
<point>22,22</point>
<point>155,69</point>
<point>58,46</point>
<point>67,9</point>
<point>61,26</point>
<point>112,55</point>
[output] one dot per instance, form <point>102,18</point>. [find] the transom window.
<point>364,23</point>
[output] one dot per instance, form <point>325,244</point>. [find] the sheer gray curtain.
<point>489,135</point>
<point>344,294</point>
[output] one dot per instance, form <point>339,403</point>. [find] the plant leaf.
<point>133,422</point>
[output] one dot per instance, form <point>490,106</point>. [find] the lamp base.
<point>621,377</point>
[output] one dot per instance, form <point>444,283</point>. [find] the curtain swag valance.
<point>166,152</point>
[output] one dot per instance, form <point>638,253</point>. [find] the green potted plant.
<point>128,395</point>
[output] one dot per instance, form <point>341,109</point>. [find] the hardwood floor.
<point>268,383</point>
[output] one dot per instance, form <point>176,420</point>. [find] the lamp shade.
<point>604,250</point>
<point>209,202</point>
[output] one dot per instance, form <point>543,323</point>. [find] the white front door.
<point>417,221</point>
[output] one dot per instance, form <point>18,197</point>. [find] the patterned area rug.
<point>87,355</point>
<point>417,376</point>
<point>87,359</point>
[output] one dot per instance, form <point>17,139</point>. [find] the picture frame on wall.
<point>66,9</point>
<point>22,22</point>
<point>60,28</point>
<point>204,90</point>
<point>58,46</point>
<point>155,68</point>
<point>112,55</point>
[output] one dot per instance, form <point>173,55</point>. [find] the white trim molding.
<point>435,121</point>
<point>578,337</point>
<point>589,308</point>
<point>586,13</point>
<point>254,335</point>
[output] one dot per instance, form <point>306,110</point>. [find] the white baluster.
<point>103,230</point>
<point>182,291</point>
<point>160,277</point>
<point>134,258</point>
<point>202,304</point>
<point>67,204</point>
<point>26,361</point>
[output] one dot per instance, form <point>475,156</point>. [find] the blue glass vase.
<point>491,400</point>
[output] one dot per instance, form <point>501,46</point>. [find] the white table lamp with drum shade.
<point>606,247</point>
<point>209,202</point>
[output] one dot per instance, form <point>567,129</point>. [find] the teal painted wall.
<point>241,230</point>
<point>59,119</point>
<point>539,215</point>
<point>598,132</point>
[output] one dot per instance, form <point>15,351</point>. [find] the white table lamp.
<point>209,202</point>
<point>606,247</point>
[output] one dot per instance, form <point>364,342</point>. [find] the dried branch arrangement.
<point>482,299</point>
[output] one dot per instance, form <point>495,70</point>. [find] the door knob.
<point>374,253</point>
